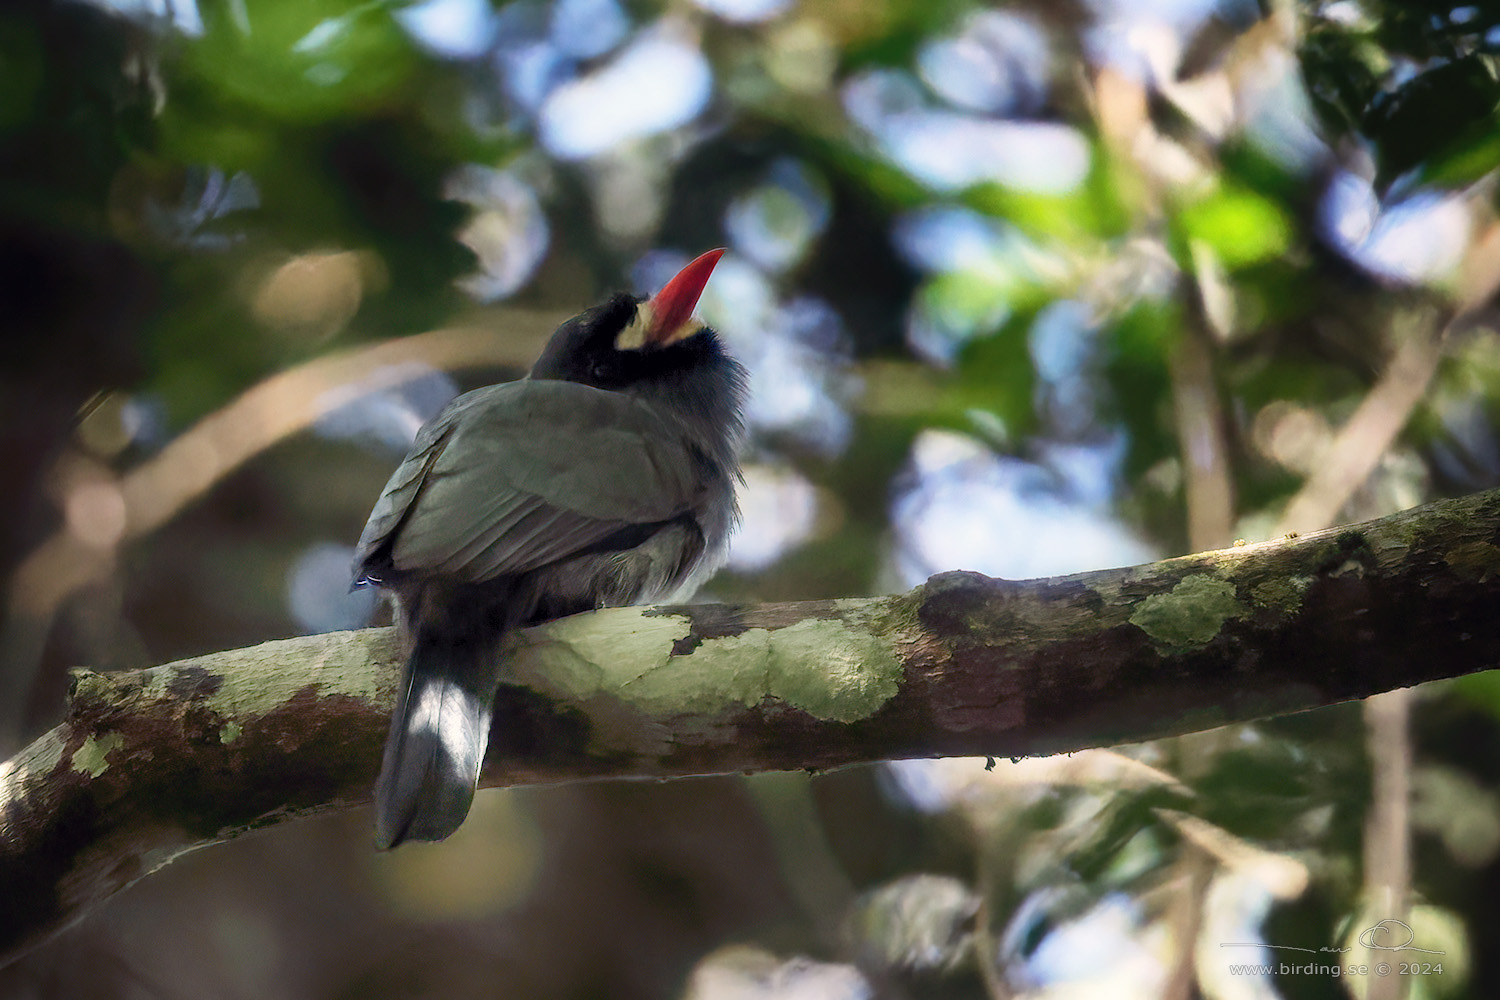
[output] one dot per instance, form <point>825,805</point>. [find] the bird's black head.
<point>653,349</point>
<point>603,347</point>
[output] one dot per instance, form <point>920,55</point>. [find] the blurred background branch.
<point>103,513</point>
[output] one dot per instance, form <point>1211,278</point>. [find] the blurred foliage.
<point>968,246</point>
<point>1417,80</point>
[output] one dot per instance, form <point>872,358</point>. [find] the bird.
<point>603,478</point>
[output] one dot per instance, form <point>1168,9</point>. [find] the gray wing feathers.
<point>514,499</point>
<point>399,493</point>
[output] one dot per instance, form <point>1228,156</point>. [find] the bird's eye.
<point>602,370</point>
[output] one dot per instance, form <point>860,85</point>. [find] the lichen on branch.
<point>151,763</point>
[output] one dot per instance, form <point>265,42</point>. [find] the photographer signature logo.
<point>1388,935</point>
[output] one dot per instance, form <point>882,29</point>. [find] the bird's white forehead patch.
<point>633,337</point>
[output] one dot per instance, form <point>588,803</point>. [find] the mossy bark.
<point>149,764</point>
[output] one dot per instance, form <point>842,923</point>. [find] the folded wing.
<point>517,476</point>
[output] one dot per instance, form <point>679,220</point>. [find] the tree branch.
<point>151,763</point>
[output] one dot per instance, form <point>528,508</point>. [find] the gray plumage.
<point>604,478</point>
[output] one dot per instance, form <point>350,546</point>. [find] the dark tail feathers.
<point>439,732</point>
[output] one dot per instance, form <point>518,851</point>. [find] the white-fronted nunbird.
<point>605,477</point>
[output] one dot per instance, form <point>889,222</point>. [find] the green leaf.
<point>1441,116</point>
<point>301,61</point>
<point>1242,227</point>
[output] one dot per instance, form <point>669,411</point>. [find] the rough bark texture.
<point>152,763</point>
